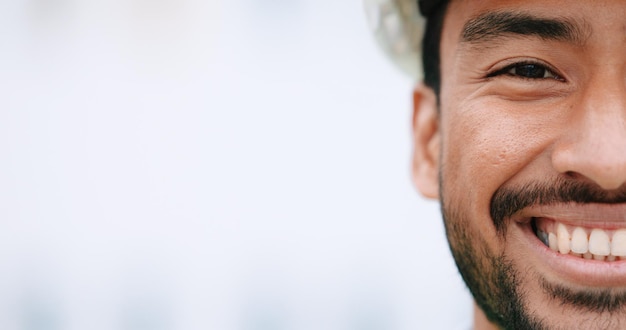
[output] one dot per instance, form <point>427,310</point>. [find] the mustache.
<point>507,201</point>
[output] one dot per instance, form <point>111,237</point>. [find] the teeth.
<point>618,245</point>
<point>553,241</point>
<point>563,238</point>
<point>599,243</point>
<point>579,240</point>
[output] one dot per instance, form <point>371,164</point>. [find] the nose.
<point>594,146</point>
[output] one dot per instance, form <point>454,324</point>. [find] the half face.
<point>528,149</point>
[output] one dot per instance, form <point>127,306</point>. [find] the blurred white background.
<point>221,164</point>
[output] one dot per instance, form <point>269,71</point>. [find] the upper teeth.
<point>594,243</point>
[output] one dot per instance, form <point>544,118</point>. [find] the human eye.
<point>527,70</point>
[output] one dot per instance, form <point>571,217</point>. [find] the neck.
<point>480,320</point>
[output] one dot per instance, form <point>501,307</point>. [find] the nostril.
<point>573,175</point>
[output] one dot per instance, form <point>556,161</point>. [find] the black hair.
<point>430,47</point>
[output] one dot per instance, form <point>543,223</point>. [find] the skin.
<point>505,131</point>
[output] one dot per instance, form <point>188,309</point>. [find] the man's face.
<point>530,151</point>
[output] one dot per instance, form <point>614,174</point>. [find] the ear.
<point>426,142</point>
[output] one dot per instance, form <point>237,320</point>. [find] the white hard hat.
<point>398,27</point>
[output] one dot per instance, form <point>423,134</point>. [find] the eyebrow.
<point>500,24</point>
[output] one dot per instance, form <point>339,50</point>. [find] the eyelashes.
<point>527,70</point>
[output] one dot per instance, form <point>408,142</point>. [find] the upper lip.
<point>588,215</point>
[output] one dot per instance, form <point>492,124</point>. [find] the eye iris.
<point>530,71</point>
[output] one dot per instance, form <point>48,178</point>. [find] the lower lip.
<point>573,269</point>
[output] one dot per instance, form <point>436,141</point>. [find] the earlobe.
<point>426,142</point>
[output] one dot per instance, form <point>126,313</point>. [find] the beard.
<point>496,282</point>
<point>492,279</point>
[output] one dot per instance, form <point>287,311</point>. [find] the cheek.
<point>485,146</point>
<point>489,140</point>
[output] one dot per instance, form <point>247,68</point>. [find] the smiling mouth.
<point>583,242</point>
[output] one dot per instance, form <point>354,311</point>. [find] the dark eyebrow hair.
<point>495,25</point>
